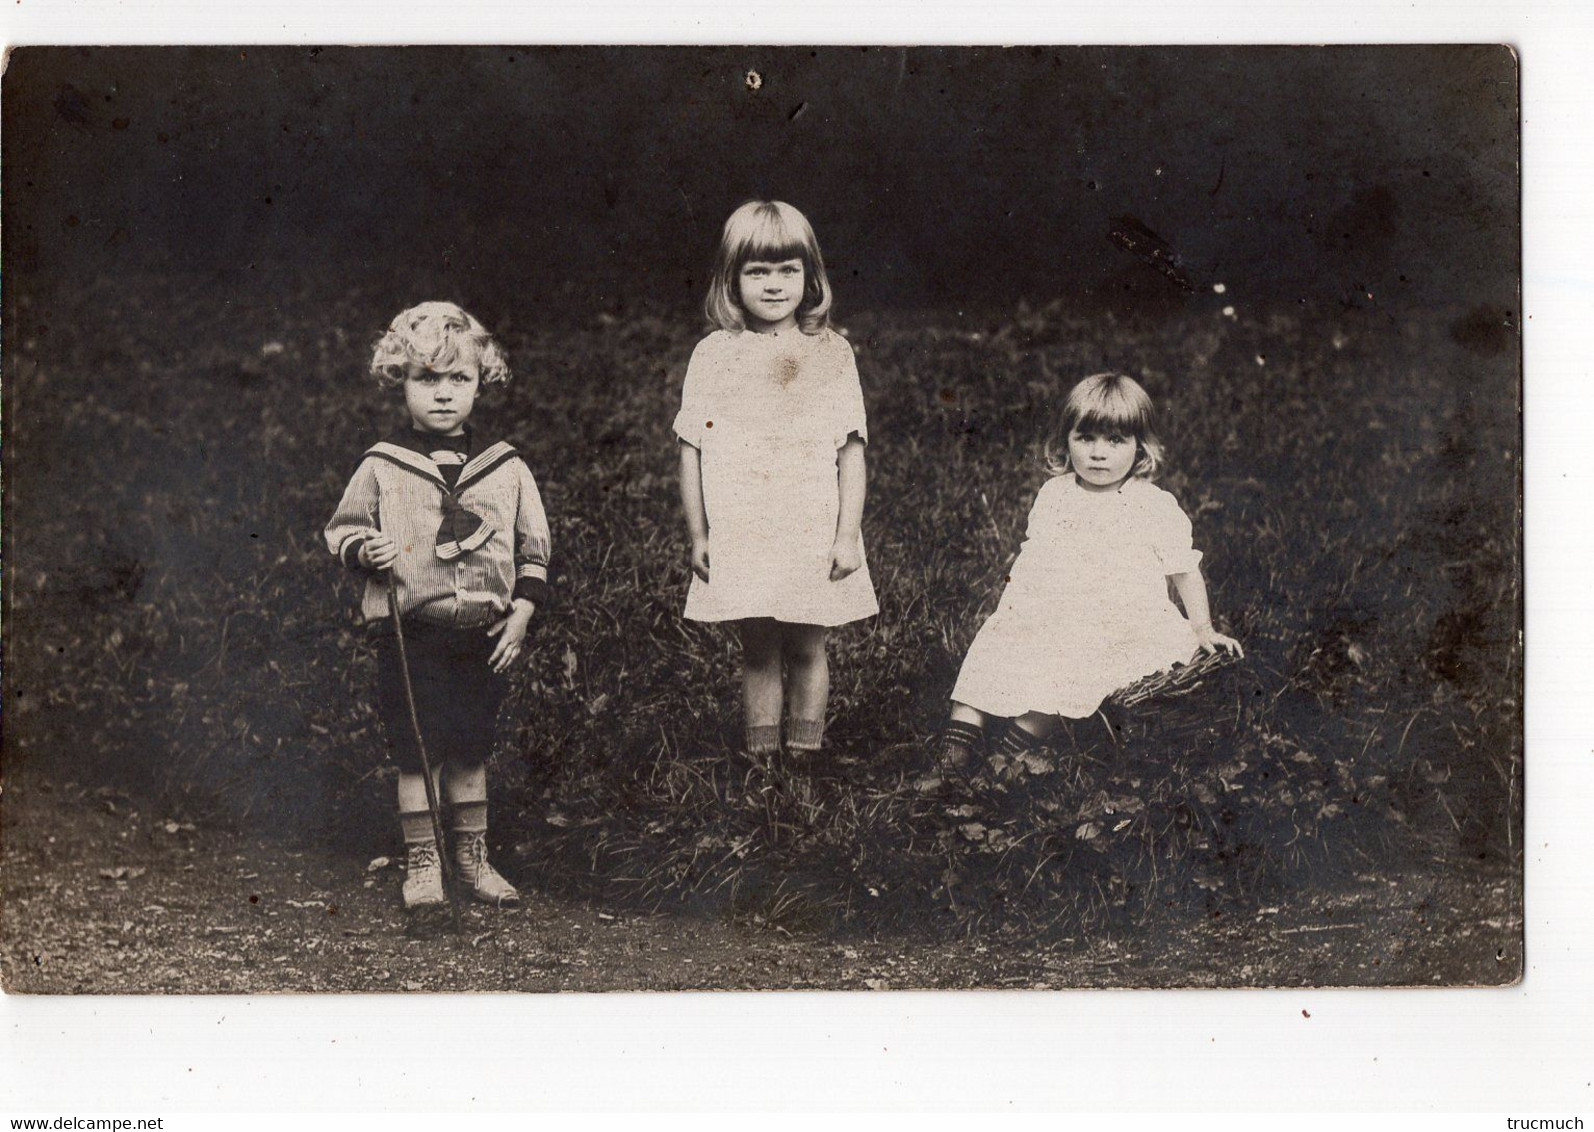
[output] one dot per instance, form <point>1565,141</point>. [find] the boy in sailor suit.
<point>457,525</point>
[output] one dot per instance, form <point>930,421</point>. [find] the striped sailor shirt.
<point>404,488</point>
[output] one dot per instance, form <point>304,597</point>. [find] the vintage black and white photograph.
<point>670,518</point>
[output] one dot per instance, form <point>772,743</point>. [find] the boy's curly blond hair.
<point>441,337</point>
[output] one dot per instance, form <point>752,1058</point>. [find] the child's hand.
<point>378,552</point>
<point>1211,641</point>
<point>511,634</point>
<point>845,558</point>
<point>700,558</point>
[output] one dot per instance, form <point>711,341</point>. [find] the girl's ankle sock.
<point>470,817</point>
<point>805,734</point>
<point>1016,741</point>
<point>763,739</point>
<point>417,827</point>
<point>970,733</point>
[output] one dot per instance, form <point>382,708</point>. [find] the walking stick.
<point>450,878</point>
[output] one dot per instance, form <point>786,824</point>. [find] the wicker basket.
<point>1200,703</point>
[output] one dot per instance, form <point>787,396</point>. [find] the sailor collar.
<point>412,451</point>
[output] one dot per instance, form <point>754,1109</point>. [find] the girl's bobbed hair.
<point>441,337</point>
<point>1107,403</point>
<point>771,231</point>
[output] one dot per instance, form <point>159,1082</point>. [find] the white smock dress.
<point>769,413</point>
<point>1086,610</point>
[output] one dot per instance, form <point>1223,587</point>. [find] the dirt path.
<point>101,897</point>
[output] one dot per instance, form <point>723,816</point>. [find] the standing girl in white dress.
<point>1086,610</point>
<point>772,437</point>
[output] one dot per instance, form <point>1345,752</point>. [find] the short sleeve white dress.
<point>1086,610</point>
<point>768,413</point>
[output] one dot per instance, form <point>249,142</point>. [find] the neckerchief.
<point>461,531</point>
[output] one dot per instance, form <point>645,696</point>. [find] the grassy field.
<point>176,628</point>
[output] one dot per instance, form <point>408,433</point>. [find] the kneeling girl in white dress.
<point>772,436</point>
<point>1086,610</point>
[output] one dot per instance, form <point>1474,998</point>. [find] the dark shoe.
<point>952,758</point>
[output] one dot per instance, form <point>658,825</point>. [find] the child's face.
<point>440,403</point>
<point>771,292</point>
<point>1101,460</point>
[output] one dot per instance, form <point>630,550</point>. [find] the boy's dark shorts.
<point>457,695</point>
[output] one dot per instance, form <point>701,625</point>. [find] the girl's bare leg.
<point>1036,723</point>
<point>761,683</point>
<point>962,713</point>
<point>807,669</point>
<point>807,684</point>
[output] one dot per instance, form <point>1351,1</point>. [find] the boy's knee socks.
<point>417,827</point>
<point>470,817</point>
<point>464,817</point>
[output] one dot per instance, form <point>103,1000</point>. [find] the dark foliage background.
<point>598,178</point>
<point>201,243</point>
